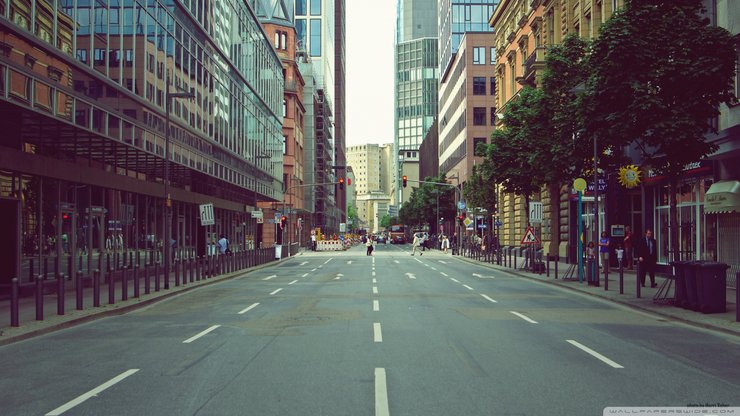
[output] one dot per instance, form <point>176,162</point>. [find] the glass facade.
<point>416,91</point>
<point>457,17</point>
<point>129,53</point>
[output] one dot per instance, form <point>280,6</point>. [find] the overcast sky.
<point>369,71</point>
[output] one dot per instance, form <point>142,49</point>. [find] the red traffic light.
<point>349,181</point>
<point>283,218</point>
<point>405,178</point>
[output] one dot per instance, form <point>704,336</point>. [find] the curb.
<point>616,301</point>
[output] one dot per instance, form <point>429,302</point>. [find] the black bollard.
<point>137,289</point>
<point>638,284</point>
<point>96,288</point>
<point>621,278</point>
<point>147,278</point>
<point>557,259</point>
<point>176,265</point>
<point>606,277</point>
<point>124,282</point>
<point>156,276</point>
<point>60,294</point>
<point>46,267</point>
<point>78,291</point>
<point>14,303</point>
<point>547,266</point>
<point>39,299</point>
<point>111,289</point>
<point>31,275</point>
<point>515,260</point>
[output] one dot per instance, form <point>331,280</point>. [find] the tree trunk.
<point>673,220</point>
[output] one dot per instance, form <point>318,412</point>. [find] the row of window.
<point>479,85</point>
<point>479,116</point>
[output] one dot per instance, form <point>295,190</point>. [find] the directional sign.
<point>206,215</point>
<point>535,212</point>
<point>530,237</point>
<point>257,214</point>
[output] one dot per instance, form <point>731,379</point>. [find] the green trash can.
<point>711,285</point>
<point>680,272</point>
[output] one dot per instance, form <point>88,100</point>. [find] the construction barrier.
<point>329,245</point>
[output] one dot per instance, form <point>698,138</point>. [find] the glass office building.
<point>84,96</point>
<point>457,17</point>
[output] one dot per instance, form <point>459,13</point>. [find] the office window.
<point>479,116</point>
<point>493,85</point>
<point>300,7</point>
<point>493,55</point>
<point>479,85</point>
<point>493,116</point>
<point>315,37</point>
<point>316,7</point>
<point>300,31</point>
<point>479,56</point>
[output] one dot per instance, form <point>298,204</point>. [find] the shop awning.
<point>722,197</point>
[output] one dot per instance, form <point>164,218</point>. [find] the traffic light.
<point>404,180</point>
<point>341,183</point>
<point>349,181</point>
<point>283,220</point>
<point>461,217</point>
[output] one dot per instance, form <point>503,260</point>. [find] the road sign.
<point>535,212</point>
<point>467,221</point>
<point>257,214</point>
<point>530,237</point>
<point>260,220</point>
<point>206,215</point>
<point>499,223</point>
<point>461,205</point>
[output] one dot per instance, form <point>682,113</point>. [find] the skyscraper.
<point>416,81</point>
<point>455,18</point>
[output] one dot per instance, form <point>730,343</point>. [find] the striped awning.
<point>722,197</point>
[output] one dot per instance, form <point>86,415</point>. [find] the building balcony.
<point>535,62</point>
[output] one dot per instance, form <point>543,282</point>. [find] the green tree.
<point>352,215</point>
<point>385,221</point>
<point>659,73</point>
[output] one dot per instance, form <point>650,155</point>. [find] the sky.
<point>369,71</point>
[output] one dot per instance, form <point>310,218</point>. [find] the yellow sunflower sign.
<point>629,176</point>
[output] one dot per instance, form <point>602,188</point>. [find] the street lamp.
<point>167,246</point>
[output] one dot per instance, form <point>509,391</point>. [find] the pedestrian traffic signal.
<point>341,183</point>
<point>404,180</point>
<point>283,220</point>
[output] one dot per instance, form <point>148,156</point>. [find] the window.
<point>315,37</point>
<point>316,7</point>
<point>479,116</point>
<point>493,85</point>
<point>479,56</point>
<point>493,116</point>
<point>493,55</point>
<point>477,141</point>
<point>479,85</point>
<point>300,7</point>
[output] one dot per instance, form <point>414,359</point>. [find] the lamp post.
<point>167,246</point>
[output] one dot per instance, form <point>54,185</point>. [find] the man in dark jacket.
<point>646,252</point>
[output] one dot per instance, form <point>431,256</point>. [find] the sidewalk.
<point>30,327</point>
<point>724,322</point>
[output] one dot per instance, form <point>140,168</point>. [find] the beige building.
<point>372,165</point>
<point>523,29</point>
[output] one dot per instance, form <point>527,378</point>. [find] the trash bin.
<point>711,285</point>
<point>692,297</point>
<point>680,269</point>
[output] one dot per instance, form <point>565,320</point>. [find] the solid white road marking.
<point>594,353</point>
<point>294,281</point>
<point>375,290</point>
<point>373,272</point>
<point>349,262</point>
<point>381,393</point>
<point>488,298</point>
<point>376,306</point>
<point>329,260</point>
<point>483,277</point>
<point>200,334</point>
<point>477,275</point>
<point>249,308</point>
<point>304,275</point>
<point>377,333</point>
<point>410,276</point>
<point>454,280</point>
<point>467,287</point>
<point>526,318</point>
<point>445,274</point>
<point>269,277</point>
<point>94,392</point>
<point>274,292</point>
<point>304,263</point>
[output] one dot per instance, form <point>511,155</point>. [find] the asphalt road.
<point>393,334</point>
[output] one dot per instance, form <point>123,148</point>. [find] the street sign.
<point>467,221</point>
<point>461,205</point>
<point>530,237</point>
<point>206,215</point>
<point>257,214</point>
<point>499,223</point>
<point>260,220</point>
<point>342,227</point>
<point>535,212</point>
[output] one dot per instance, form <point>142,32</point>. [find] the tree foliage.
<point>421,208</point>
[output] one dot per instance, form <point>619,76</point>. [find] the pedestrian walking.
<point>223,244</point>
<point>646,252</point>
<point>628,247</point>
<point>369,245</point>
<point>604,251</point>
<point>415,244</point>
<point>445,244</point>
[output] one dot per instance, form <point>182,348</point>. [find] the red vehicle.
<point>397,233</point>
